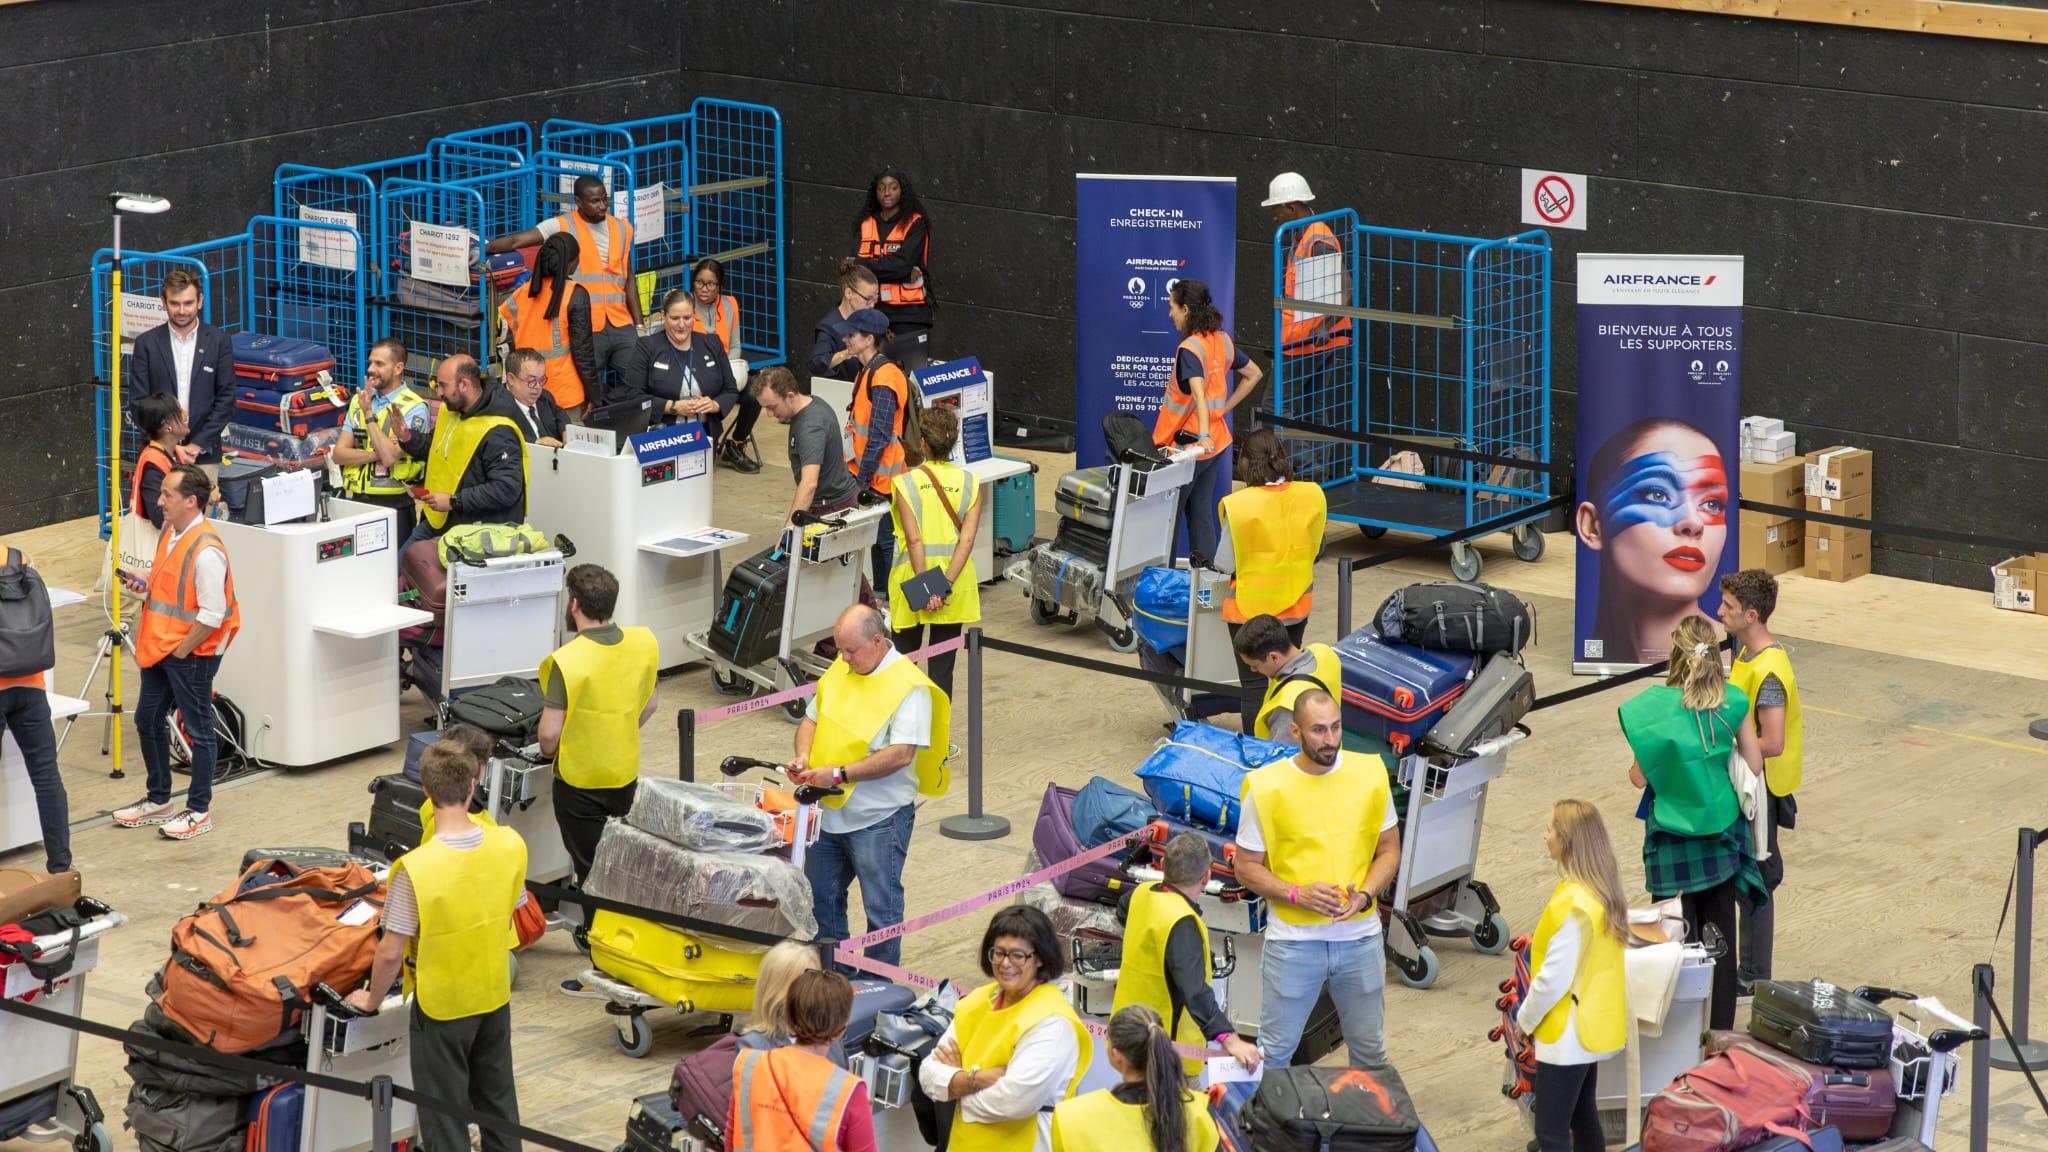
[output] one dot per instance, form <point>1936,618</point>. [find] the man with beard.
<point>1317,839</point>
<point>597,692</point>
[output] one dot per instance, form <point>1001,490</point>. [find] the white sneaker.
<point>187,825</point>
<point>142,813</point>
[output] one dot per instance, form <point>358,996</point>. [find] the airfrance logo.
<point>948,376</point>
<point>1153,262</point>
<point>664,443</point>
<point>1647,279</point>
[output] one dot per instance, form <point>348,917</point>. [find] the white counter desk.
<point>19,824</point>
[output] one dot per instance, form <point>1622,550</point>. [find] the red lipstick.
<point>1686,559</point>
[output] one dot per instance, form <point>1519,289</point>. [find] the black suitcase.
<point>748,628</point>
<point>1302,1109</point>
<point>1820,1023</point>
<point>654,1126</point>
<point>1323,1034</point>
<point>1083,540</point>
<point>394,828</point>
<point>1496,699</point>
<point>508,709</point>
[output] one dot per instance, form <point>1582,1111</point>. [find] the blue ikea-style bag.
<point>1160,607</point>
<point>1197,775</point>
<point>1104,810</point>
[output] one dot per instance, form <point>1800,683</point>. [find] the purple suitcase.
<point>1055,840</point>
<point>1859,1101</point>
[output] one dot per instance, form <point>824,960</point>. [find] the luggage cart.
<point>824,580</point>
<point>1145,518</point>
<point>38,1059</point>
<point>352,1045</point>
<point>1439,853</point>
<point>1925,1067</point>
<point>1449,344</point>
<point>501,618</point>
<point>1207,655</point>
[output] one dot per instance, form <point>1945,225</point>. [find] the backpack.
<point>243,966</point>
<point>1331,1110</point>
<point>28,638</point>
<point>1104,810</point>
<point>700,1088</point>
<point>1732,1100</point>
<point>508,708</point>
<point>1457,617</point>
<point>1129,441</point>
<point>475,543</point>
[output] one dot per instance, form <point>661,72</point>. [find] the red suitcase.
<point>1859,1101</point>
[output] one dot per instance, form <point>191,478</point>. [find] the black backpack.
<point>1457,617</point>
<point>28,638</point>
<point>509,708</point>
<point>1331,1110</point>
<point>1129,441</point>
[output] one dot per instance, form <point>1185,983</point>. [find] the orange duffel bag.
<point>244,965</point>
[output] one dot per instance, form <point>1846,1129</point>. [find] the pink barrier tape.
<point>784,696</point>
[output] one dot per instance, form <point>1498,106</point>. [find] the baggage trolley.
<point>1207,655</point>
<point>1145,516</point>
<point>824,580</point>
<point>1439,854</point>
<point>1924,1067</point>
<point>352,1045</point>
<point>40,1060</point>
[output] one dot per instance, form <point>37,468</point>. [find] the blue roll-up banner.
<point>1660,411</point>
<point>1134,236</point>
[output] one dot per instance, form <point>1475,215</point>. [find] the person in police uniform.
<point>1167,962</point>
<point>374,469</point>
<point>1266,647</point>
<point>475,459</point>
<point>597,691</point>
<point>447,917</point>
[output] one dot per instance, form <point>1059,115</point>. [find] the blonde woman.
<point>1577,1005</point>
<point>768,1023</point>
<point>1696,843</point>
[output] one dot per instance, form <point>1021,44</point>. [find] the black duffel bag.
<point>1453,616</point>
<point>508,709</point>
<point>1331,1110</point>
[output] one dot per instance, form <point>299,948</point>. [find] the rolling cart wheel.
<point>1528,543</point>
<point>731,683</point>
<point>794,710</point>
<point>1123,640</point>
<point>94,1139</point>
<point>636,1038</point>
<point>1371,531</point>
<point>1490,936</point>
<point>581,935</point>
<point>1421,971</point>
<point>1466,563</point>
<point>1043,612</point>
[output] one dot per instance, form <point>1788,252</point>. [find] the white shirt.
<point>182,350</point>
<point>1552,983</point>
<point>209,577</point>
<point>874,801</point>
<point>1252,839</point>
<point>1040,1068</point>
<point>600,234</point>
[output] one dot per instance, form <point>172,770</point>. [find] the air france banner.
<point>1660,405</point>
<point>1134,236</point>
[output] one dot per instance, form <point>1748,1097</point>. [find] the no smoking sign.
<point>1554,199</point>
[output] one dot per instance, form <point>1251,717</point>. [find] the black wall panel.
<point>1885,187</point>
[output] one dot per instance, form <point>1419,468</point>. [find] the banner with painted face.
<point>1660,407</point>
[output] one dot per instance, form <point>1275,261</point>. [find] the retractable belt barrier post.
<point>2016,1052</point>
<point>686,744</point>
<point>976,824</point>
<point>1981,978</point>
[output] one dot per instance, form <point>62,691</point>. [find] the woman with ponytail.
<point>1152,1109</point>
<point>1695,840</point>
<point>551,316</point>
<point>1197,403</point>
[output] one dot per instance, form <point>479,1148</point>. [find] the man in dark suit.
<point>540,419</point>
<point>191,360</point>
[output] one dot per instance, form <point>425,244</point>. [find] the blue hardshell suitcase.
<point>1016,507</point>
<point>275,1117</point>
<point>1397,691</point>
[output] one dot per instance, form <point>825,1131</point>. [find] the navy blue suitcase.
<point>275,1117</point>
<point>1397,691</point>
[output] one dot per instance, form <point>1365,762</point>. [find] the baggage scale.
<point>42,1059</point>
<point>825,574</point>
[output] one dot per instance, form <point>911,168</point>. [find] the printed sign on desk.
<point>657,444</point>
<point>963,385</point>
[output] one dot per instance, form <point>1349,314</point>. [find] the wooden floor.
<point>1918,771</point>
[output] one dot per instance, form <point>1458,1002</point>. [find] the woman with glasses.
<point>686,370</point>
<point>1016,1047</point>
<point>717,313</point>
<point>829,354</point>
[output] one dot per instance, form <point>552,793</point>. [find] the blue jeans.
<point>188,683</point>
<point>874,856</point>
<point>881,558</point>
<point>1198,509</point>
<point>1292,976</point>
<point>26,713</point>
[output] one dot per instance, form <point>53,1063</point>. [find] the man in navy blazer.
<point>191,360</point>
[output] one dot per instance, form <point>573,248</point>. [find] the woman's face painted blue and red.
<point>1664,514</point>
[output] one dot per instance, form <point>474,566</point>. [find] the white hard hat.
<point>1287,188</point>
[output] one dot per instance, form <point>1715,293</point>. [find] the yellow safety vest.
<point>362,479</point>
<point>1155,912</point>
<point>1099,1122</point>
<point>940,539</point>
<point>1320,828</point>
<point>456,439</point>
<point>988,1037</point>
<point>1282,693</point>
<point>1275,531</point>
<point>458,966</point>
<point>1599,987</point>
<point>852,708</point>
<point>606,687</point>
<point>1782,772</point>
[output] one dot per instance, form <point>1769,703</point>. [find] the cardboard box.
<point>1854,507</point>
<point>1839,472</point>
<point>1782,484</point>
<point>1776,444</point>
<point>1770,457</point>
<point>1760,426</point>
<point>2016,583</point>
<point>1775,544</point>
<point>1836,553</point>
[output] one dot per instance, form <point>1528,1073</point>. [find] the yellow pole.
<point>114,500</point>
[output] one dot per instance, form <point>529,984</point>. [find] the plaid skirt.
<point>1675,864</point>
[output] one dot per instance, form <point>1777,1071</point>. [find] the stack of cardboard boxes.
<point>1774,543</point>
<point>1765,440</point>
<point>1838,483</point>
<point>2015,582</point>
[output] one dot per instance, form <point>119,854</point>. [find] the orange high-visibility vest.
<point>606,281</point>
<point>527,326</point>
<point>151,456</point>
<point>879,373</point>
<point>1177,410</point>
<point>1302,332</point>
<point>872,244</point>
<point>171,606</point>
<point>787,1100</point>
<point>727,327</point>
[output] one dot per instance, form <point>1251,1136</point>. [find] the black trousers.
<point>467,1062</point>
<point>1568,1108</point>
<point>1716,906</point>
<point>939,668</point>
<point>25,712</point>
<point>1757,924</point>
<point>1251,685</point>
<point>581,813</point>
<point>743,415</point>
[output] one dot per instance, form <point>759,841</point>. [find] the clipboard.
<point>925,585</point>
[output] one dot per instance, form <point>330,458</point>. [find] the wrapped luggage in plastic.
<point>762,893</point>
<point>700,817</point>
<point>1065,579</point>
<point>1071,918</point>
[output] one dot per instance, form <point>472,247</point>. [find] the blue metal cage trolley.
<point>1429,337</point>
